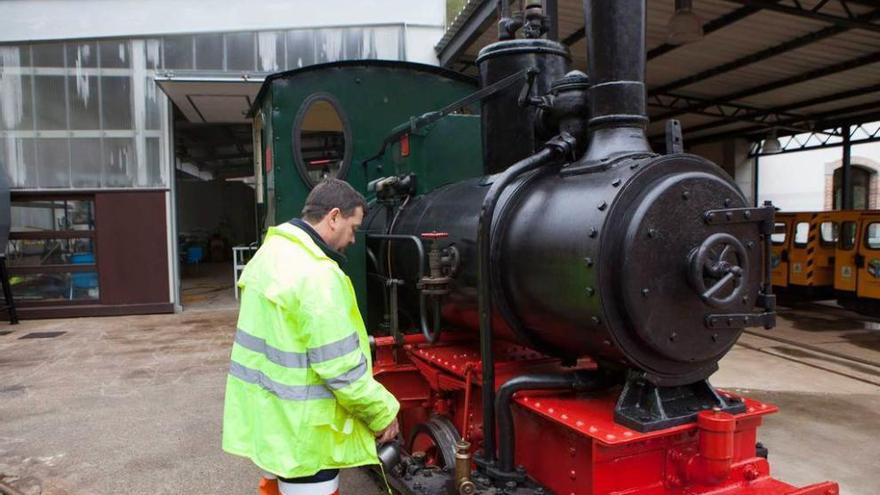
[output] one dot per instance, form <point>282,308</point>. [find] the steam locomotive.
<point>548,296</point>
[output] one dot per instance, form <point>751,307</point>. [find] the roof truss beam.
<point>793,44</point>
<point>858,114</point>
<point>818,12</point>
<point>772,116</point>
<point>732,111</point>
<point>781,83</point>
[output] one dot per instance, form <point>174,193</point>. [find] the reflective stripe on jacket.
<point>300,395</point>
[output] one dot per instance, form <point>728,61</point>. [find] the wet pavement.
<point>134,404</point>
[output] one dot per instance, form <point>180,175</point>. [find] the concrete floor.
<point>134,404</point>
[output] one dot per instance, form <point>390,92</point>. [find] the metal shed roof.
<point>794,65</point>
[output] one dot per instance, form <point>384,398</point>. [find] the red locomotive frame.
<point>571,445</point>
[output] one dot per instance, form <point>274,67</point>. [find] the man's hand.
<point>389,433</point>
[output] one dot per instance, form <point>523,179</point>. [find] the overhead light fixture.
<point>684,26</point>
<point>771,144</point>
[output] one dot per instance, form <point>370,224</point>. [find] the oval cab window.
<point>321,140</point>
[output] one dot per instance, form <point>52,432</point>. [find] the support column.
<point>846,186</point>
<point>551,10</point>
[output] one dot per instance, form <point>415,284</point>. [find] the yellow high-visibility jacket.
<point>300,395</point>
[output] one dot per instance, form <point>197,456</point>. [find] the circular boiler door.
<point>678,269</point>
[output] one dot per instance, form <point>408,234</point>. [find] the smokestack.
<point>616,59</point>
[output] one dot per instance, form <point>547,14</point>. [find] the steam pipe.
<point>557,148</point>
<point>616,58</point>
<point>430,335</point>
<point>578,380</point>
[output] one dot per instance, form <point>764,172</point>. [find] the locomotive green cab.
<point>332,120</point>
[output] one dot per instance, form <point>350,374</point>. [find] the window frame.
<point>58,234</point>
<point>784,234</point>
<point>866,237</point>
<point>822,240</point>
<point>855,232</point>
<point>296,133</point>
<point>794,240</point>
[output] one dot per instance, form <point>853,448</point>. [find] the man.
<point>301,401</point>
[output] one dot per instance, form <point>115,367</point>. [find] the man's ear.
<point>333,216</point>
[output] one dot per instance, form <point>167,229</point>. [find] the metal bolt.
<point>634,166</point>
<point>728,215</point>
<point>747,214</point>
<point>673,336</point>
<point>745,299</point>
<point>727,201</point>
<point>588,261</point>
<point>714,337</point>
<point>594,232</point>
<point>616,182</point>
<point>602,206</point>
<point>652,233</point>
<point>750,244</point>
<point>685,195</point>
<point>590,291</point>
<point>595,320</point>
<point>645,292</point>
<point>510,485</point>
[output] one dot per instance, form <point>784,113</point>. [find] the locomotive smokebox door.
<point>676,270</point>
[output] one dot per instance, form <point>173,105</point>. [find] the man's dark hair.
<point>329,194</point>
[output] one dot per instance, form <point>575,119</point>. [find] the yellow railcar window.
<point>779,233</point>
<point>872,236</point>
<point>828,233</point>
<point>801,234</point>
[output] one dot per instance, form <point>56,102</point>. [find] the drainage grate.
<point>5,332</point>
<point>41,335</point>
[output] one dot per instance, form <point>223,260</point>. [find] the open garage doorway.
<point>214,185</point>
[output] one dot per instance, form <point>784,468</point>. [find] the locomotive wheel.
<point>436,438</point>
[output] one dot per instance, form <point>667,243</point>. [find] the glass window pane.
<point>85,162</point>
<point>83,93</point>
<point>209,51</point>
<point>53,215</point>
<point>329,45</point>
<point>51,113</point>
<point>778,235</point>
<point>48,54</point>
<point>353,43</point>
<point>271,51</point>
<point>15,56</point>
<point>57,286</point>
<point>300,49</point>
<point>116,102</point>
<point>155,176</point>
<point>53,157</point>
<point>120,162</point>
<point>42,252</point>
<point>178,52</point>
<point>155,100</point>
<point>16,110</point>
<point>81,55</point>
<point>872,239</point>
<point>848,235</point>
<point>828,232</point>
<point>801,233</point>
<point>320,135</point>
<point>240,51</point>
<point>18,159</point>
<point>115,54</point>
<point>384,43</point>
<point>154,54</point>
